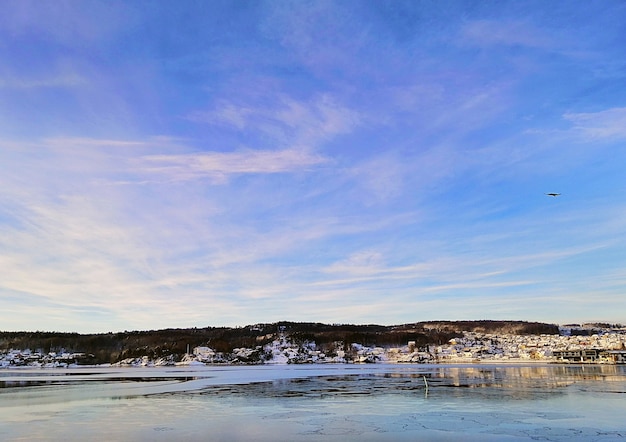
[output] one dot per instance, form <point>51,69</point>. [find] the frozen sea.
<point>377,402</point>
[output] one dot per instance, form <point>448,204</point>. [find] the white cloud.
<point>393,175</point>
<point>286,120</point>
<point>220,165</point>
<point>77,142</point>
<point>366,262</point>
<point>227,113</point>
<point>381,178</point>
<point>606,124</point>
<point>506,33</point>
<point>321,35</point>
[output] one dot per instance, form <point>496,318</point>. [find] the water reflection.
<point>304,403</point>
<point>490,382</point>
<point>311,380</point>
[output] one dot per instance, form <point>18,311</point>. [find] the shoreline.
<point>464,363</point>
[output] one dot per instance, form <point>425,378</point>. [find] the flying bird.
<point>553,194</point>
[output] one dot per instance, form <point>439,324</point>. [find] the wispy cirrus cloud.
<point>82,142</point>
<point>296,129</point>
<point>286,120</point>
<point>176,159</point>
<point>602,125</point>
<point>219,166</point>
<point>504,33</point>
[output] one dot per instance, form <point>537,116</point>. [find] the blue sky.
<point>181,164</point>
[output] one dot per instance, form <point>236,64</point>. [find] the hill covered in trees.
<point>175,343</point>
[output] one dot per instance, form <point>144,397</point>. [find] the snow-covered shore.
<point>471,348</point>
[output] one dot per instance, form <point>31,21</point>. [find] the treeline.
<point>490,326</point>
<point>114,347</point>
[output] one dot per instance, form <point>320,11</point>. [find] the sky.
<point>224,163</point>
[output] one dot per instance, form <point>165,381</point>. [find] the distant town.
<point>307,343</point>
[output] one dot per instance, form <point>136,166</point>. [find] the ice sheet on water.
<point>298,403</point>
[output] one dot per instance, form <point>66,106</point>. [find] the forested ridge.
<point>116,346</point>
